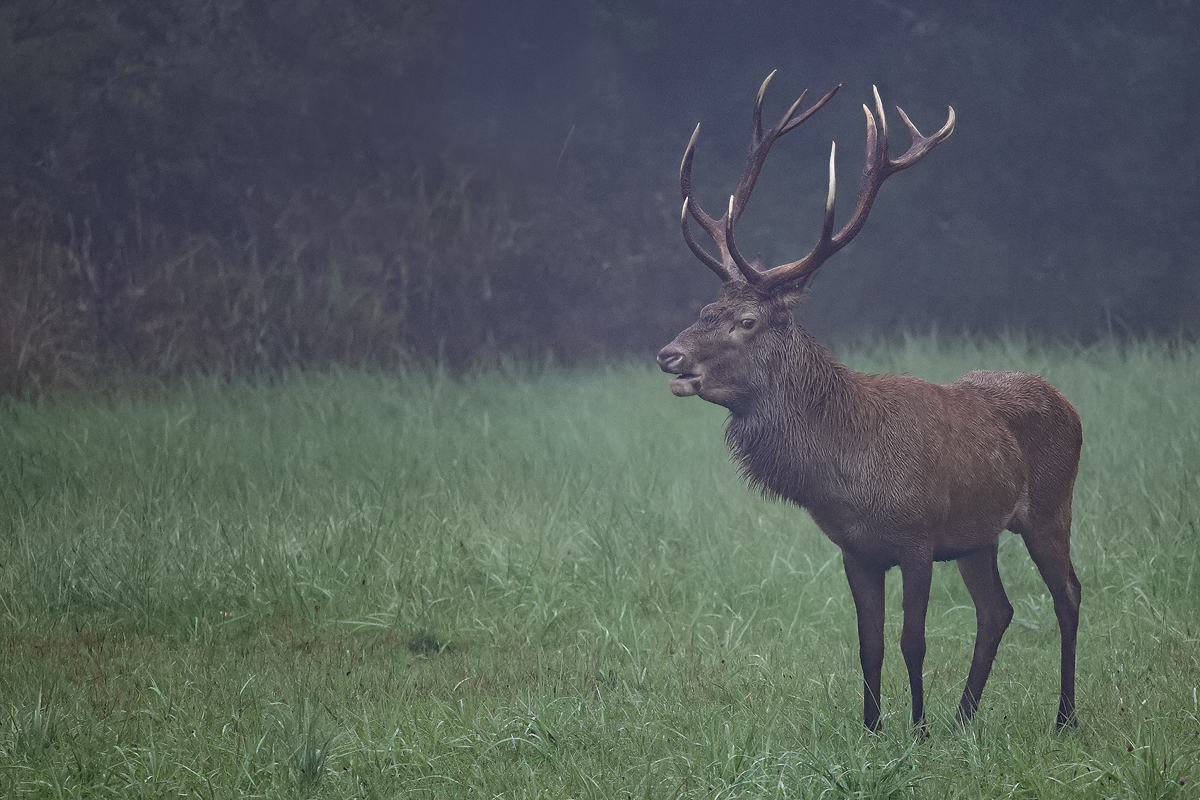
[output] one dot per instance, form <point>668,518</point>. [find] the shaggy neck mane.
<point>784,438</point>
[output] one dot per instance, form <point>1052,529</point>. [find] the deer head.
<point>732,347</point>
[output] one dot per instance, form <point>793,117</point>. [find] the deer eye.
<point>748,323</point>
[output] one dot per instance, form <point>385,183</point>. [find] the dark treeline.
<point>221,185</point>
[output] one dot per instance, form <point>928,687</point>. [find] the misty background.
<point>220,186</point>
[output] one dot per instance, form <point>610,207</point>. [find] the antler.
<point>877,168</point>
<point>760,144</point>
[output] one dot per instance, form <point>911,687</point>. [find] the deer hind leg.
<point>1050,547</point>
<point>993,613</point>
<point>866,586</point>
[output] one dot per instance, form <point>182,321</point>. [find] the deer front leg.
<point>866,586</point>
<point>918,575</point>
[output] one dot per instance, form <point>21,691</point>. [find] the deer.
<point>896,471</point>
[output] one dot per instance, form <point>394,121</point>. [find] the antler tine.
<point>752,275</point>
<point>685,168</point>
<point>922,144</point>
<point>830,197</point>
<point>730,263</point>
<point>707,258</point>
<point>714,227</point>
<point>877,168</point>
<point>882,152</point>
<point>758,101</point>
<point>814,108</point>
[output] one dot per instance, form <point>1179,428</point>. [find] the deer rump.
<point>896,471</point>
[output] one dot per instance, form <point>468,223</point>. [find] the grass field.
<point>552,583</point>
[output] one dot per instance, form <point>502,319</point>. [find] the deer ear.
<point>791,294</point>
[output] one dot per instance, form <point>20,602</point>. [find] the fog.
<point>1066,202</point>
<point>221,186</point>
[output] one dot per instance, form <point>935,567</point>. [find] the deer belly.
<point>948,521</point>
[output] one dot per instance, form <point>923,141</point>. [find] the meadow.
<point>544,582</point>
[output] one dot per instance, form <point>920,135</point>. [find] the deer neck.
<point>789,436</point>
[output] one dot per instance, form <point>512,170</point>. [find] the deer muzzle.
<point>673,360</point>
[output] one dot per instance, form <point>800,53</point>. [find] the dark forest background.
<point>223,185</point>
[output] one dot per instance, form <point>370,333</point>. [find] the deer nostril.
<point>669,359</point>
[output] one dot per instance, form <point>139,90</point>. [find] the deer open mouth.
<point>686,384</point>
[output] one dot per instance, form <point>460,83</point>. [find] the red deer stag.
<point>895,470</point>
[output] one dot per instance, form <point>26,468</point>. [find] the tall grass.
<point>542,582</point>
